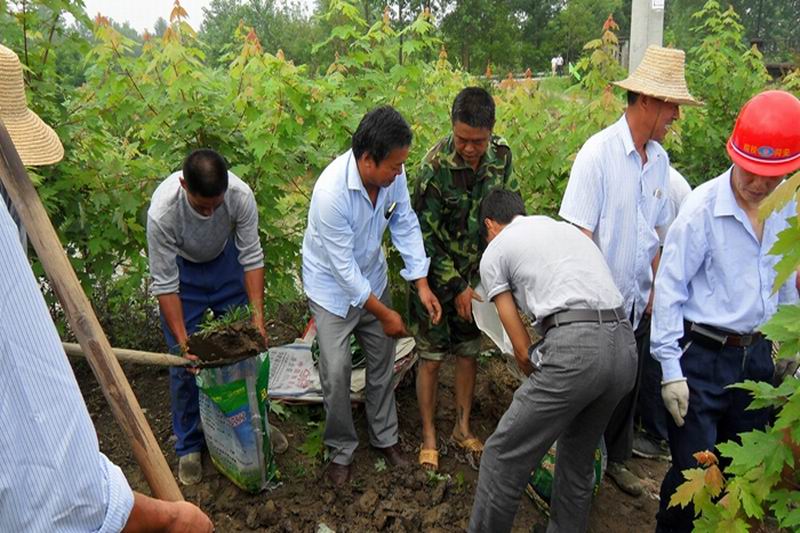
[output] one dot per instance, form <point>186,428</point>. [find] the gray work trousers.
<point>586,368</point>
<point>335,366</point>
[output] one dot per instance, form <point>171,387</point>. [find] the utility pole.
<point>647,27</point>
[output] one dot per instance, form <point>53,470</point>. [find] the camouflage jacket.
<point>447,198</point>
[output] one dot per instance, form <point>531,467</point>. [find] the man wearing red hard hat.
<point>714,292</point>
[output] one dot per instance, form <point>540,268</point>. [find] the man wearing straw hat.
<point>714,292</point>
<point>53,476</point>
<point>617,194</point>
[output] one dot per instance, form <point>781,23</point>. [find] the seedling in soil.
<point>380,465</point>
<point>459,488</point>
<point>313,447</point>
<point>298,470</point>
<point>435,477</point>
<point>232,316</point>
<point>279,409</point>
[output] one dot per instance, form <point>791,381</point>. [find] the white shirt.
<point>343,259</point>
<point>621,202</point>
<point>679,188</point>
<point>52,474</point>
<point>715,271</point>
<point>549,266</point>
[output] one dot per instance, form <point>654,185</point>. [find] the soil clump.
<point>227,344</point>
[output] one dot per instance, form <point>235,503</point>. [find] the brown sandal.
<point>430,458</point>
<point>472,447</point>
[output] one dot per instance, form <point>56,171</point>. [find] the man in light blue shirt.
<point>617,194</point>
<point>714,290</point>
<point>53,476</point>
<point>359,195</point>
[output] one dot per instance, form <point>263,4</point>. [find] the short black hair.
<point>206,173</point>
<point>474,107</point>
<point>632,97</point>
<point>501,206</point>
<point>380,131</point>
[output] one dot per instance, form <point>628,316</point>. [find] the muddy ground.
<point>378,498</point>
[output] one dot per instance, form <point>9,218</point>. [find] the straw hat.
<point>35,141</point>
<point>660,75</point>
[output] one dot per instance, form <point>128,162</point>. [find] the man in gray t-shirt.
<point>585,363</point>
<point>205,253</point>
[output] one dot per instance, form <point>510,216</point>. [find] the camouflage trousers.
<point>452,335</point>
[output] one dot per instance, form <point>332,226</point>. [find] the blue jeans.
<point>217,285</point>
<point>715,414</point>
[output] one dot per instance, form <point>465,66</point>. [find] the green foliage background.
<point>128,112</point>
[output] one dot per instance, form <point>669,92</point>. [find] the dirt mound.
<point>378,498</point>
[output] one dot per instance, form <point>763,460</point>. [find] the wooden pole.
<point>132,356</point>
<point>84,323</point>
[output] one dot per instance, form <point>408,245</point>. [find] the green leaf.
<point>781,196</point>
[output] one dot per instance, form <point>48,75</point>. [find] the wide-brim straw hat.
<point>661,74</point>
<point>35,141</point>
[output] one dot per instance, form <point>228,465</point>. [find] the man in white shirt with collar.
<point>714,292</point>
<point>576,375</point>
<point>617,195</point>
<point>359,195</point>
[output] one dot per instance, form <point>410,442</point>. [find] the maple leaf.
<point>178,12</point>
<point>689,489</point>
<point>705,458</point>
<point>714,480</point>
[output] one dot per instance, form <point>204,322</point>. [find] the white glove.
<point>676,399</point>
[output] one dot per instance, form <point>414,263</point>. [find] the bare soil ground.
<point>378,499</point>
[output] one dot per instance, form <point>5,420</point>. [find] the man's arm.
<point>150,516</point>
<point>684,253</point>
<point>583,199</point>
<point>391,320</point>
<point>428,206</point>
<point>254,287</point>
<point>429,300</point>
<point>520,340</point>
<point>172,311</point>
<point>654,265</point>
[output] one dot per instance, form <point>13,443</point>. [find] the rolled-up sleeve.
<point>336,234</point>
<point>120,498</point>
<point>407,236</point>
<point>684,253</point>
<point>583,197</point>
<point>251,254</point>
<point>162,252</point>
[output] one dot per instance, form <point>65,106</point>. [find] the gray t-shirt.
<point>174,229</point>
<point>549,266</point>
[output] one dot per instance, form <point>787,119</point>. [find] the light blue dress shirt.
<point>52,474</point>
<point>343,259</point>
<point>611,194</point>
<point>714,271</point>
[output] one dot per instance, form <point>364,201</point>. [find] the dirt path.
<point>378,498</point>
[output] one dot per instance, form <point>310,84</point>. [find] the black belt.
<point>571,316</point>
<point>705,334</point>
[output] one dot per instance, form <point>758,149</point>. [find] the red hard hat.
<point>766,137</point>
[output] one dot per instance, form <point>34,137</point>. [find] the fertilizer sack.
<point>233,410</point>
<point>540,484</point>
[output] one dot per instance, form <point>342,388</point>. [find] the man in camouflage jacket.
<point>455,176</point>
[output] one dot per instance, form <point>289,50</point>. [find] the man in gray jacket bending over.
<point>205,253</point>
<point>577,374</point>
